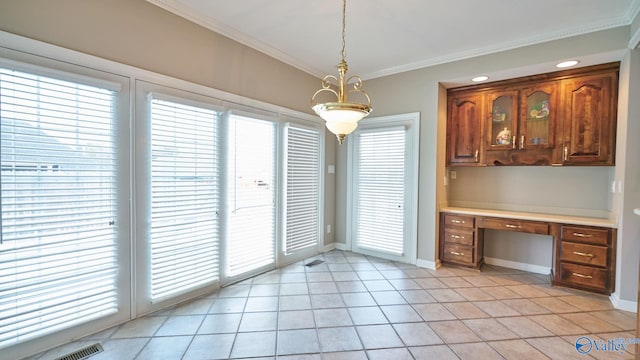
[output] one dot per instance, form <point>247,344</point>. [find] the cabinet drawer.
<point>584,234</point>
<point>458,253</point>
<point>459,220</point>
<point>533,227</point>
<point>458,236</point>
<point>583,275</point>
<point>584,253</point>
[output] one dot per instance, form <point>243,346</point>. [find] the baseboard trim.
<point>341,246</point>
<point>625,305</point>
<point>336,246</point>
<point>427,264</point>
<point>329,247</point>
<point>518,265</point>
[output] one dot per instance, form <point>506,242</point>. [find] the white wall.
<point>628,172</point>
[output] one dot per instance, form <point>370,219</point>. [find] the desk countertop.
<point>565,219</point>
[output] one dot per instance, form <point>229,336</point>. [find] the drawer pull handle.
<point>457,237</point>
<point>457,221</point>
<point>581,235</point>
<point>583,254</point>
<point>582,276</point>
<point>476,155</point>
<point>513,226</point>
<point>457,253</point>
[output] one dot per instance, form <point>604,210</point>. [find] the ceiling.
<point>385,37</point>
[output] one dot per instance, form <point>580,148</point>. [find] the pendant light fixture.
<point>342,116</point>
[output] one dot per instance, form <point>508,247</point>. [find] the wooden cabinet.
<point>585,258</point>
<point>521,125</point>
<point>589,104</point>
<point>460,243</point>
<point>464,124</point>
<point>560,118</point>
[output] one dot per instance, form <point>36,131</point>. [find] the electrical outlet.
<point>453,175</point>
<point>613,187</point>
<point>329,229</point>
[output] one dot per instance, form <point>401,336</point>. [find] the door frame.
<point>411,122</point>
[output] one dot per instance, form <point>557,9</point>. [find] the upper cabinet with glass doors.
<point>561,118</point>
<point>521,125</point>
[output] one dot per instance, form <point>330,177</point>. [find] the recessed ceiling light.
<point>480,78</point>
<point>566,64</point>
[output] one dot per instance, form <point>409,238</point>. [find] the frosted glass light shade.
<point>342,118</point>
<point>340,127</point>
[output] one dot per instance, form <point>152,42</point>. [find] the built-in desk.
<point>584,247</point>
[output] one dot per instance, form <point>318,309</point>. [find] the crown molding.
<point>635,40</point>
<point>178,8</point>
<point>634,15</point>
<point>487,50</point>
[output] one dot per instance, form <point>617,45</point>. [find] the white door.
<point>302,200</point>
<point>383,187</point>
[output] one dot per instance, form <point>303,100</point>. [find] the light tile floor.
<point>357,307</point>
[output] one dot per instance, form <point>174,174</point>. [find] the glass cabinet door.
<point>538,117</point>
<point>503,119</point>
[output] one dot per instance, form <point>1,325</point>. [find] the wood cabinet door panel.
<point>538,116</point>
<point>502,120</point>
<point>589,126</point>
<point>464,129</point>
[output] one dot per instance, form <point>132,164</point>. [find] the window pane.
<point>58,262</point>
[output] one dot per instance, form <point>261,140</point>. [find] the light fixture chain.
<point>344,10</point>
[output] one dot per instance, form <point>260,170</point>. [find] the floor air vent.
<point>83,353</point>
<point>314,262</point>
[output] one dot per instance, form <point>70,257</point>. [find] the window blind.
<point>184,198</point>
<point>303,189</point>
<point>58,248</point>
<point>250,242</point>
<point>380,190</point>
